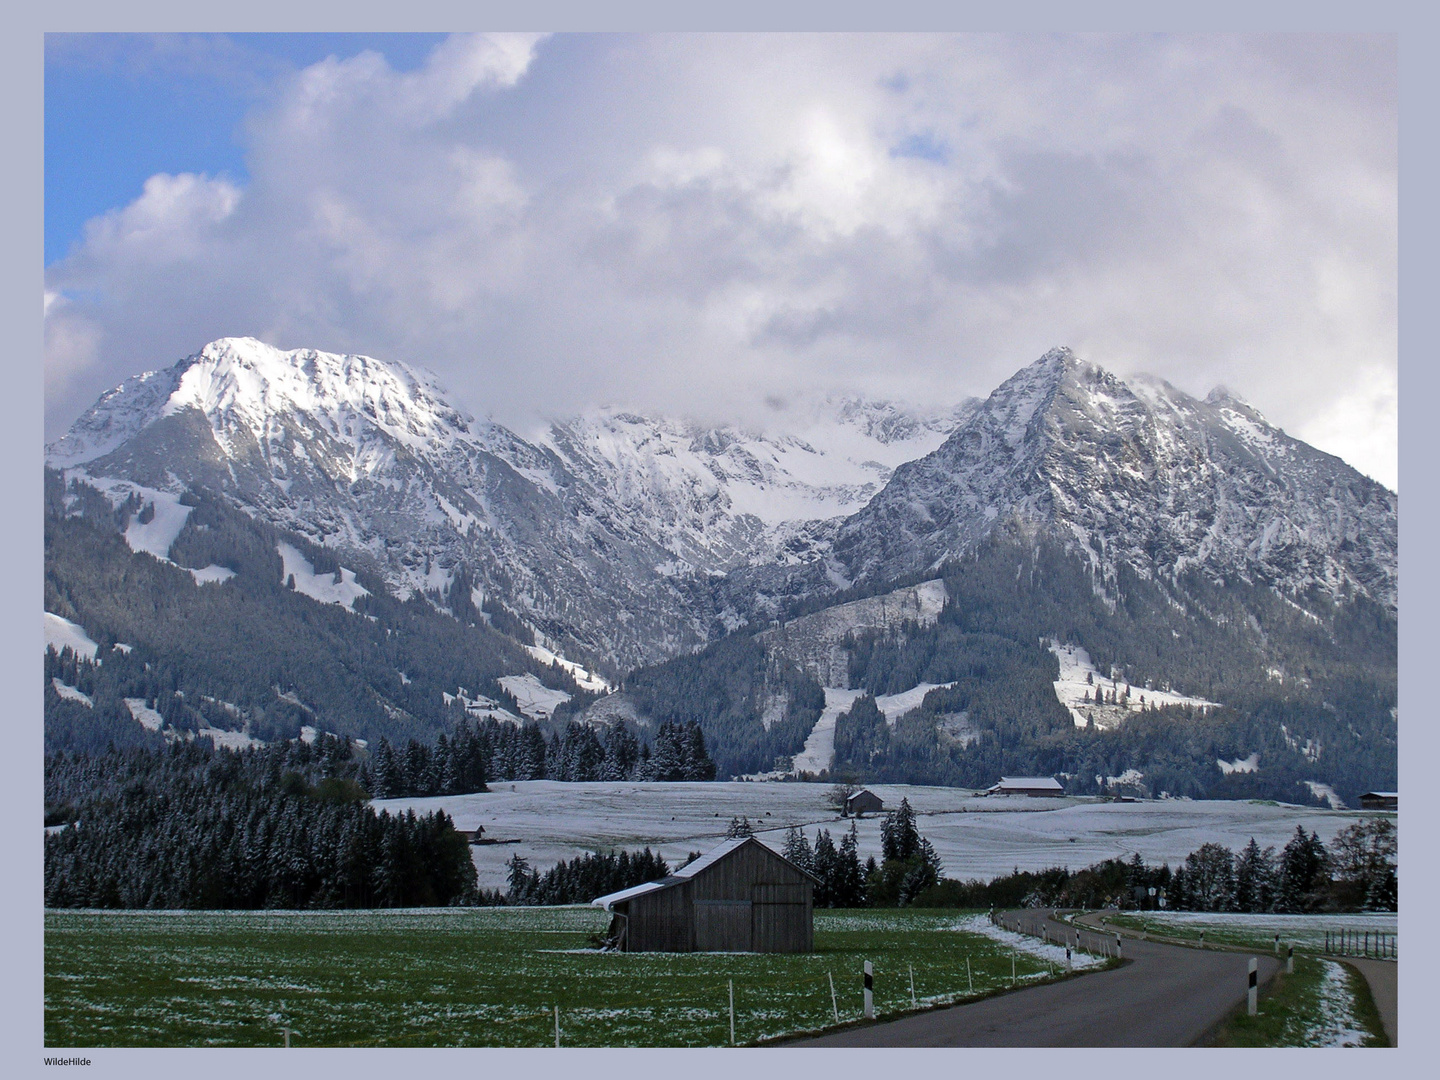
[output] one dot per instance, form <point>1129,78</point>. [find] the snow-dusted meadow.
<point>976,836</point>
<point>488,977</point>
<point>1234,928</point>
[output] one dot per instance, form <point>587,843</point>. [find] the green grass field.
<point>486,977</point>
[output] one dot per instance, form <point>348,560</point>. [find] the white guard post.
<point>869,991</point>
<point>1254,996</point>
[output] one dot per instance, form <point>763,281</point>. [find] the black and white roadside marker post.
<point>913,1003</point>
<point>1067,956</point>
<point>1119,953</point>
<point>1277,944</point>
<point>969,975</point>
<point>834,1001</point>
<point>1253,1001</point>
<point>557,1027</point>
<point>869,991</point>
<point>1290,960</point>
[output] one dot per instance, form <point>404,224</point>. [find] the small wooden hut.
<point>863,802</point>
<point>741,897</point>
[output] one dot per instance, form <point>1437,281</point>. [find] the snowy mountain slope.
<point>1137,472</point>
<point>603,533</point>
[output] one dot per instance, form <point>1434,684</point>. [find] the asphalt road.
<point>1164,995</point>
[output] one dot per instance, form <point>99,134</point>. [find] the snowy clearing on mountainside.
<point>62,633</point>
<point>976,836</point>
<point>141,711</point>
<point>72,693</point>
<point>322,587</point>
<point>584,678</point>
<point>1079,678</point>
<point>536,700</point>
<point>212,575</point>
<point>819,751</point>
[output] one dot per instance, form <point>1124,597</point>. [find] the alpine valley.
<point>1101,579</point>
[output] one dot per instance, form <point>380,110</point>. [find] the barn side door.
<point>779,919</point>
<point>722,926</point>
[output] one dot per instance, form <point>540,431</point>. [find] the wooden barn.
<point>1380,800</point>
<point>863,802</point>
<point>1027,785</point>
<point>741,897</point>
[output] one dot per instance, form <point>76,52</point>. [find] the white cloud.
<point>693,223</point>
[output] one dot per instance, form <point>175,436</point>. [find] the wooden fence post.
<point>732,1012</point>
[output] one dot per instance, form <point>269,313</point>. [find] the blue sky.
<point>700,224</point>
<point>120,108</point>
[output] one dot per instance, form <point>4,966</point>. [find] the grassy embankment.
<point>487,977</point>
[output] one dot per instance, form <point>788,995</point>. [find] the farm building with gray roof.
<point>741,897</point>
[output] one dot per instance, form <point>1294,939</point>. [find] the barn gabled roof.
<point>685,873</point>
<point>1030,782</point>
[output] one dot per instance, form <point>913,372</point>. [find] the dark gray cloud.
<point>695,223</point>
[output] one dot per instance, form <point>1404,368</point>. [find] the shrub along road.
<point>1164,995</point>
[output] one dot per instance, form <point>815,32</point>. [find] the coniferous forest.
<point>189,826</point>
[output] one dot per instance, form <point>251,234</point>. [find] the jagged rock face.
<point>1134,472</point>
<point>605,532</point>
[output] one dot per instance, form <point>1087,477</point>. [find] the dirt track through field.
<point>1164,995</point>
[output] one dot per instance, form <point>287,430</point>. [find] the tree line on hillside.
<point>727,688</point>
<point>490,750</point>
<point>191,826</point>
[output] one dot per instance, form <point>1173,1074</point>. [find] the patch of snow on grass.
<point>141,711</point>
<point>1055,954</point>
<point>214,575</point>
<point>61,633</point>
<point>1337,1024</point>
<point>322,587</point>
<point>70,693</point>
<point>585,679</point>
<point>818,753</point>
<point>536,700</point>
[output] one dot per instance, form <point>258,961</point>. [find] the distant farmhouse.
<point>1026,785</point>
<point>741,897</point>
<point>863,802</point>
<point>1380,800</point>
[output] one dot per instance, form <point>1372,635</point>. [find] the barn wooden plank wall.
<point>749,900</point>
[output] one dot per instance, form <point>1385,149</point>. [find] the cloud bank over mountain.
<point>704,224</point>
